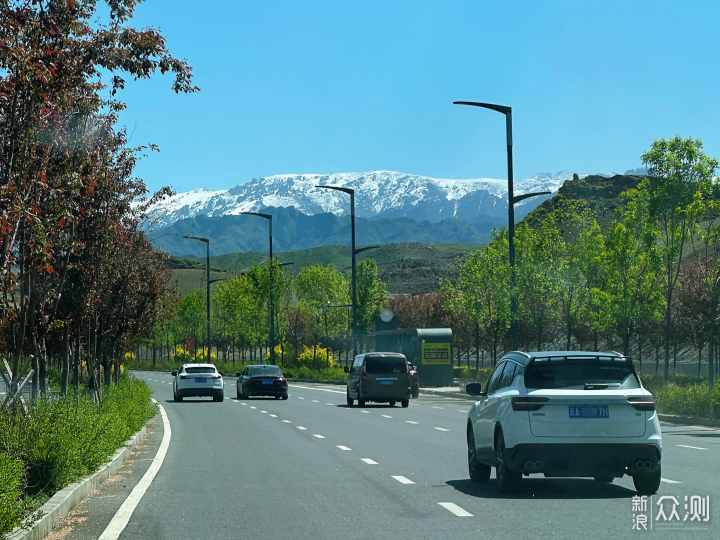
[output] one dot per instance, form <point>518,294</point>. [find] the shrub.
<point>12,505</point>
<point>466,373</point>
<point>692,400</point>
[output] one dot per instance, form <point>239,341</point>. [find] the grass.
<point>61,440</point>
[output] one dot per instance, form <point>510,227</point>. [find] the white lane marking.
<point>265,412</point>
<point>241,403</point>
<point>287,421</point>
<point>369,461</point>
<point>385,416</point>
<point>341,447</point>
<point>301,428</point>
<point>321,389</point>
<point>253,407</point>
<point>315,401</point>
<point>670,481</point>
<point>331,404</point>
<point>318,436</point>
<point>441,429</point>
<point>464,412</point>
<point>403,480</point>
<point>455,509</point>
<point>366,412</point>
<point>693,447</point>
<point>227,397</point>
<point>122,516</point>
<point>273,416</point>
<point>411,422</point>
<point>300,397</point>
<point>437,407</point>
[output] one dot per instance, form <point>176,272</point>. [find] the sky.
<point>344,86</point>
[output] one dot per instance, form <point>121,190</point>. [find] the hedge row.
<point>60,441</point>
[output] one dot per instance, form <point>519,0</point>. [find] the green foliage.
<point>64,439</point>
<point>471,374</point>
<point>371,294</point>
<point>691,400</point>
<point>14,508</point>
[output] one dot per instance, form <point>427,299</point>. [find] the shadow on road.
<point>545,488</point>
<point>692,434</point>
<point>190,400</point>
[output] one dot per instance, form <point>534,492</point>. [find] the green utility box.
<point>429,349</point>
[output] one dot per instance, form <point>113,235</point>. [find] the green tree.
<point>192,314</point>
<point>371,294</point>
<point>679,174</point>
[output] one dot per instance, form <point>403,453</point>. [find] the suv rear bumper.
<point>200,392</point>
<point>583,459</point>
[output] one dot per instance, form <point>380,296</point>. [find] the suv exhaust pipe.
<point>642,465</point>
<point>533,466</point>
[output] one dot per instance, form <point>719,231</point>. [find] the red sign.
<point>189,344</point>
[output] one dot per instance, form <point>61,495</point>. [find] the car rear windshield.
<point>385,364</point>
<point>548,373</point>
<point>266,371</point>
<point>204,369</point>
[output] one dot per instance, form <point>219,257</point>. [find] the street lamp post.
<point>207,267</point>
<point>272,302</point>
<point>512,200</point>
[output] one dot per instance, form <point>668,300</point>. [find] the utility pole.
<point>512,201</point>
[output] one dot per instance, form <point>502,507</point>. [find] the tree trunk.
<point>568,329</point>
<point>34,367</point>
<point>65,360</point>
<point>657,358</point>
<point>76,365</point>
<point>640,352</point>
<point>675,357</point>
<point>700,349</point>
<point>668,320</point>
<point>154,354</point>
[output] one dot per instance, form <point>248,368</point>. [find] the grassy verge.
<point>60,441</point>
<point>335,373</point>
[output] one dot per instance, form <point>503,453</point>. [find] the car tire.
<point>237,393</point>
<point>392,402</point>
<point>284,396</point>
<point>277,397</point>
<point>220,398</point>
<point>604,479</point>
<point>350,401</point>
<point>361,402</point>
<point>178,398</point>
<point>507,480</point>
<point>647,483</point>
<point>405,403</point>
<point>478,471</point>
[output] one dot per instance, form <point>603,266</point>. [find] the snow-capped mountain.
<point>378,194</point>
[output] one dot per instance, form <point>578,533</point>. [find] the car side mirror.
<point>346,370</point>
<point>474,389</point>
<point>238,374</point>
<point>221,373</point>
<point>173,373</point>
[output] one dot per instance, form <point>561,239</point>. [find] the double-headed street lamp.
<point>351,192</point>
<point>272,303</point>
<point>512,200</point>
<point>207,267</point>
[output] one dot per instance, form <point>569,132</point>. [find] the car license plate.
<point>585,411</point>
<point>200,380</point>
<point>267,382</point>
<point>386,383</point>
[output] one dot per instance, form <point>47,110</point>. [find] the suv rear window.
<point>264,371</point>
<point>208,369</point>
<point>385,364</point>
<point>548,373</point>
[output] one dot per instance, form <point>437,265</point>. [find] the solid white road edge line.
<point>122,516</point>
<point>455,509</point>
<point>693,447</point>
<point>403,480</point>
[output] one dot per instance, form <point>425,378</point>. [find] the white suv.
<point>564,413</point>
<point>197,380</point>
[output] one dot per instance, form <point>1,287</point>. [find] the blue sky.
<point>319,87</point>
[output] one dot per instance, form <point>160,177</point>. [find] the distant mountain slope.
<point>293,230</point>
<point>378,194</point>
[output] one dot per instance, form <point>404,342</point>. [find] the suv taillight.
<point>528,403</point>
<point>642,403</point>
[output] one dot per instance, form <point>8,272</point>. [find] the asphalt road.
<point>313,468</point>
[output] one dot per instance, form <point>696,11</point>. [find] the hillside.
<point>405,268</point>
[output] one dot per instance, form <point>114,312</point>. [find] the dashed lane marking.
<point>287,421</point>
<point>264,412</point>
<point>455,509</point>
<point>693,447</point>
<point>301,428</point>
<point>403,480</point>
<point>366,412</point>
<point>273,416</point>
<point>315,401</point>
<point>411,422</point>
<point>369,461</point>
<point>341,447</point>
<point>330,404</point>
<point>241,403</point>
<point>299,397</point>
<point>386,416</point>
<point>253,407</point>
<point>318,436</point>
<point>441,429</point>
<point>436,407</point>
<point>670,481</point>
<point>321,389</point>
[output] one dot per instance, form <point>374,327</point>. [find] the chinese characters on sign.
<point>189,344</point>
<point>670,513</point>
<point>436,353</point>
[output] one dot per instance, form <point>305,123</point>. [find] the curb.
<point>70,496</point>
<point>340,383</point>
<point>689,420</point>
<point>456,395</point>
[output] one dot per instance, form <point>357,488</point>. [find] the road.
<point>313,468</point>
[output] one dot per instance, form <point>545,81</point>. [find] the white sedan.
<point>198,380</point>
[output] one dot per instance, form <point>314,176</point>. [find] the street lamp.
<point>207,267</point>
<point>512,200</point>
<point>351,192</point>
<point>272,303</point>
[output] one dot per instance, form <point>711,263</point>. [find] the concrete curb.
<point>70,496</point>
<point>341,383</point>
<point>457,395</point>
<point>689,420</point>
